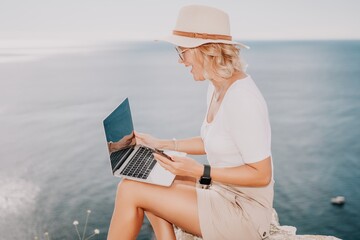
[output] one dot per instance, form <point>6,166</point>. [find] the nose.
<point>180,61</point>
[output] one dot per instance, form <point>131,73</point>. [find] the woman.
<point>234,197</point>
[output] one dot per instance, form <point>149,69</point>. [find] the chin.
<point>199,78</point>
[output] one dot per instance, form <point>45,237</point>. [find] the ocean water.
<point>53,152</point>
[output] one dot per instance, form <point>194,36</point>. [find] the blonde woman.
<point>231,198</point>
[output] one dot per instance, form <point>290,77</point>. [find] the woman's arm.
<point>249,175</point>
<point>193,146</point>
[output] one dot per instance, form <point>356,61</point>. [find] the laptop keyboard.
<point>115,157</point>
<point>141,164</point>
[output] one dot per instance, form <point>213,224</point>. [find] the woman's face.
<point>188,58</point>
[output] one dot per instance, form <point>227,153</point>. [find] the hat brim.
<point>188,42</point>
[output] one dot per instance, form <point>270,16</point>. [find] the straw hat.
<point>198,24</point>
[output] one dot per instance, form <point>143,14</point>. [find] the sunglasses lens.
<point>179,51</point>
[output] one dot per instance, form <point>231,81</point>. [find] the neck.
<point>222,84</point>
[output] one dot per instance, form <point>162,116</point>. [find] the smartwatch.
<point>205,178</point>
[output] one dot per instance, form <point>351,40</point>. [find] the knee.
<point>125,184</point>
<point>125,188</point>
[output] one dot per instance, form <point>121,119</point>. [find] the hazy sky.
<point>147,19</point>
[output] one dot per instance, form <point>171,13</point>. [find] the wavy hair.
<point>221,59</point>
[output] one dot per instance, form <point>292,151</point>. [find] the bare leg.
<point>162,228</point>
<point>123,217</point>
<point>176,204</point>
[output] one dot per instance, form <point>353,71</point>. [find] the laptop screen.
<point>119,131</point>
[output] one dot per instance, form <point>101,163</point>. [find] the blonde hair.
<point>219,58</point>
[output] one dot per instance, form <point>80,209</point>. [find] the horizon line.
<point>49,43</point>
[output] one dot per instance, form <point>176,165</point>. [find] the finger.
<point>162,159</point>
<point>163,154</point>
<point>175,158</point>
<point>138,135</point>
<point>165,162</point>
<point>166,166</point>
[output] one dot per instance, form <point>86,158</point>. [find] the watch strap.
<point>207,171</point>
<point>205,179</point>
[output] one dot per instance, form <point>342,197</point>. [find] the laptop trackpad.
<point>160,176</point>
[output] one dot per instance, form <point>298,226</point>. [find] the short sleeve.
<point>247,121</point>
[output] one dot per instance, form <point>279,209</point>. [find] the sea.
<point>55,167</point>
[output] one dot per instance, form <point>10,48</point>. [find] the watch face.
<point>205,181</point>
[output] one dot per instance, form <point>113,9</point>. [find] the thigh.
<point>176,204</point>
<point>185,181</point>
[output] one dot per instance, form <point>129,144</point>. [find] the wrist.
<point>165,144</point>
<point>160,144</point>
<point>198,171</point>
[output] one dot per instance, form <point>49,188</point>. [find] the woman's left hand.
<point>181,166</point>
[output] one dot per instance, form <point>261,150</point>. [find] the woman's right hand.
<point>147,140</point>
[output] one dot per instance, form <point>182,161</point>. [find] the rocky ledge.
<point>277,232</point>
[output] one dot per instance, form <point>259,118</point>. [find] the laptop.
<point>127,158</point>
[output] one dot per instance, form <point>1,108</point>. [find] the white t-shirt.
<point>240,131</point>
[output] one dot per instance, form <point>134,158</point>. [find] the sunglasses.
<point>181,52</point>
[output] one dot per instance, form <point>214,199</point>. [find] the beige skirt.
<point>234,213</point>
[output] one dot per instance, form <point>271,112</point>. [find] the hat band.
<point>202,35</point>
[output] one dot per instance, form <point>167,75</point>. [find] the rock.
<point>339,200</point>
<point>277,232</point>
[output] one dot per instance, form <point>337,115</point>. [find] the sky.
<point>93,20</point>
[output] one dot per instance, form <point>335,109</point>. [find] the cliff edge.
<point>277,232</point>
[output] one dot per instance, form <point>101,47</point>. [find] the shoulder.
<point>244,96</point>
<point>243,91</point>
